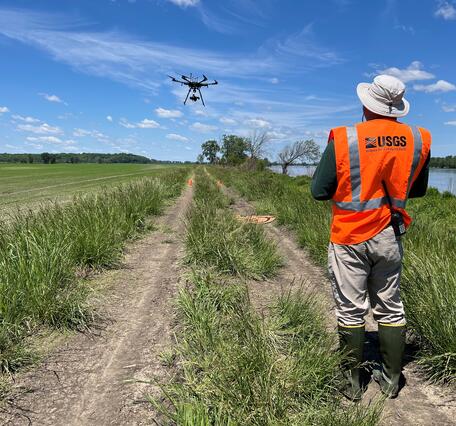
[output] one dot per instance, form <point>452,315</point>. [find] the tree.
<point>300,150</point>
<point>200,159</point>
<point>234,149</point>
<point>256,144</point>
<point>45,157</point>
<point>210,150</point>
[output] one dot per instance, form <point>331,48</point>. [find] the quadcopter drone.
<point>194,86</point>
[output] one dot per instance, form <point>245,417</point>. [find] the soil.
<point>419,403</point>
<point>104,377</point>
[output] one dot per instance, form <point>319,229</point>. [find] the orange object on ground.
<point>190,182</point>
<point>368,156</point>
<point>256,219</point>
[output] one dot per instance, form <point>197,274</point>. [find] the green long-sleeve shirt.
<point>324,181</point>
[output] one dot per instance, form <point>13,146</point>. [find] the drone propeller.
<point>176,80</point>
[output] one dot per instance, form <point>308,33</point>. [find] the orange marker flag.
<point>190,182</point>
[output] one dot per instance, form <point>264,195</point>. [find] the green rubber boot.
<point>392,345</point>
<point>351,341</point>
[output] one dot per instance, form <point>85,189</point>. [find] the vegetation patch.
<point>233,366</point>
<point>41,253</point>
<point>429,278</point>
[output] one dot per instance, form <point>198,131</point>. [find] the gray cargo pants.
<point>370,268</point>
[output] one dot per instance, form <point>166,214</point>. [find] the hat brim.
<point>399,110</point>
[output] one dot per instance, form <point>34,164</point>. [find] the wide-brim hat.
<point>384,96</point>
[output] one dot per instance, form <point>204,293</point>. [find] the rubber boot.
<point>352,343</point>
<point>392,345</point>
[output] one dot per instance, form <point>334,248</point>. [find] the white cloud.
<point>258,123</point>
<point>109,118</point>
<point>51,98</point>
<point>168,113</point>
<point>176,137</point>
<point>273,135</point>
<point>303,44</point>
<point>451,123</point>
<point>82,133</point>
<point>413,72</point>
<point>446,10</point>
<point>148,124</point>
<point>201,112</point>
<point>448,108</point>
<point>138,63</point>
<point>41,129</point>
<point>3,110</point>
<point>51,139</point>
<point>203,128</point>
<point>25,119</point>
<point>184,3</point>
<point>274,80</point>
<point>144,124</point>
<point>440,86</point>
<point>228,121</point>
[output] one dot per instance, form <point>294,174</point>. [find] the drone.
<point>194,86</point>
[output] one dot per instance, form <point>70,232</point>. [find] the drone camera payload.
<point>194,85</point>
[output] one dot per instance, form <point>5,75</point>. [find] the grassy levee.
<point>233,366</point>
<point>42,252</point>
<point>429,278</point>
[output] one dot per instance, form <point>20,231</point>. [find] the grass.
<point>216,239</point>
<point>41,253</point>
<point>429,278</point>
<point>26,185</point>
<point>233,366</point>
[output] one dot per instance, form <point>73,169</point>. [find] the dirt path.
<point>418,403</point>
<point>92,379</point>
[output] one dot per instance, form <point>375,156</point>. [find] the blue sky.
<point>86,75</point>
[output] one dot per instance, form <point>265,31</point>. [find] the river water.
<point>442,179</point>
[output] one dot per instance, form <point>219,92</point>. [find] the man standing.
<point>369,171</point>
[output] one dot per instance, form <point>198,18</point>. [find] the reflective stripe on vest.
<point>355,175</point>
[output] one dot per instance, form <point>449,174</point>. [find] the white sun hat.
<point>384,96</point>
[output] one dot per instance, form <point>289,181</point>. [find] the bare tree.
<point>256,144</point>
<point>300,150</point>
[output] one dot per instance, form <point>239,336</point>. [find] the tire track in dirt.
<point>419,403</point>
<point>93,379</point>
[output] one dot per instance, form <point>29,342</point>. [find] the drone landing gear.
<point>194,98</point>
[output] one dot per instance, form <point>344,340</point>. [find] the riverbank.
<point>440,179</point>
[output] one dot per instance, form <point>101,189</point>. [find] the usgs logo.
<point>386,141</point>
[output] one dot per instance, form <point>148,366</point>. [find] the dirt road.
<point>93,378</point>
<point>419,403</point>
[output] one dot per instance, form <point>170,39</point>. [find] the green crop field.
<point>30,184</point>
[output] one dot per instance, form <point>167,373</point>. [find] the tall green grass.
<point>42,251</point>
<point>216,239</point>
<point>234,366</point>
<point>429,278</point>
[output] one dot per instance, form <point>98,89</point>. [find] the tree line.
<point>47,158</point>
<point>448,162</point>
<point>250,152</point>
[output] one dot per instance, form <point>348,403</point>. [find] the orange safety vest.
<point>368,156</point>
